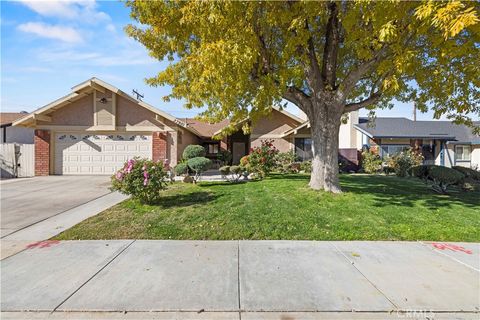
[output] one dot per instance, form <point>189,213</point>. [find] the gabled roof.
<point>406,128</point>
<point>7,118</point>
<point>295,130</point>
<point>85,88</point>
<point>282,111</point>
<point>205,129</point>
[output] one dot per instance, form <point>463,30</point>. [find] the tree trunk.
<point>325,127</point>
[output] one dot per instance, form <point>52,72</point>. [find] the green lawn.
<point>282,207</point>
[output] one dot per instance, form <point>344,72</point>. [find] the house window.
<point>303,148</point>
<point>462,153</point>
<point>389,150</point>
<point>212,148</point>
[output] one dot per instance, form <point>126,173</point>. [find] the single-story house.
<point>440,142</point>
<point>11,134</point>
<point>97,127</point>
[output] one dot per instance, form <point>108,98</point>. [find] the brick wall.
<point>42,152</point>
<point>159,146</point>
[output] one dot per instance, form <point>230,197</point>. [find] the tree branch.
<point>314,74</point>
<point>330,52</point>
<point>373,98</point>
<point>298,98</point>
<point>354,75</point>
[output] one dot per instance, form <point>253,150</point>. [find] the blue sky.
<point>47,47</point>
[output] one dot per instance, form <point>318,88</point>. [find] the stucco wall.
<point>347,137</point>
<point>187,139</point>
<point>476,156</point>
<point>282,144</point>
<point>77,113</point>
<point>131,114</point>
<point>274,124</point>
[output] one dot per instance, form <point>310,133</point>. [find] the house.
<point>97,127</point>
<point>440,142</point>
<point>11,134</point>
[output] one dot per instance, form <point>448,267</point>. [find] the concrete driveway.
<point>27,201</point>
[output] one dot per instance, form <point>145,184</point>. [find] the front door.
<point>239,149</point>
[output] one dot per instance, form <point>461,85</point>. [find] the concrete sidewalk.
<point>241,279</point>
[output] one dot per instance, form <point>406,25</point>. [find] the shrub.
<point>232,173</point>
<point>469,173</point>
<point>198,165</point>
<point>193,151</point>
<point>261,160</point>
<point>306,166</point>
<point>224,171</point>
<point>283,160</point>
<point>181,169</point>
<point>371,162</point>
<point>224,156</point>
<point>443,177</point>
<point>143,179</point>
<point>420,172</point>
<point>401,162</point>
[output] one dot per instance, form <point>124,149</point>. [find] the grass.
<point>283,207</point>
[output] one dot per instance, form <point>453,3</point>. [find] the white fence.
<point>17,160</point>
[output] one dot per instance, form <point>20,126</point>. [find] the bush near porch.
<point>372,207</point>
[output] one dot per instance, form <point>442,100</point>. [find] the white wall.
<point>349,137</point>
<point>475,156</point>
<point>17,160</point>
<point>17,135</point>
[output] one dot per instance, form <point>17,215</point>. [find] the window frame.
<point>463,146</point>
<point>383,155</point>
<point>307,154</point>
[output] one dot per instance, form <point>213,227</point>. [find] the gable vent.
<point>104,110</point>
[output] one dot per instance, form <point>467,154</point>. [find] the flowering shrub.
<point>371,162</point>
<point>403,161</point>
<point>143,179</point>
<point>261,160</point>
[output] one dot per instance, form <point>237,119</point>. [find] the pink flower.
<point>119,175</point>
<point>145,175</point>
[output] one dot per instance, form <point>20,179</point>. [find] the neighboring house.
<point>440,142</point>
<point>10,134</point>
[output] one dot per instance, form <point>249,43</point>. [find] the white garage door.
<point>90,153</point>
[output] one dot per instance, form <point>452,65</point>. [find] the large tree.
<point>328,58</point>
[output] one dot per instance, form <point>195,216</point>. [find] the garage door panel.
<point>94,153</point>
<point>108,148</point>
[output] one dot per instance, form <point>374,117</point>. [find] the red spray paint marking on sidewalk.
<point>43,244</point>
<point>449,246</point>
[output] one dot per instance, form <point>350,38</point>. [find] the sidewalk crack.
<point>238,281</point>
<point>94,275</point>
<point>369,281</point>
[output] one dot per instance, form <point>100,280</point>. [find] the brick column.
<point>159,145</point>
<point>42,152</point>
